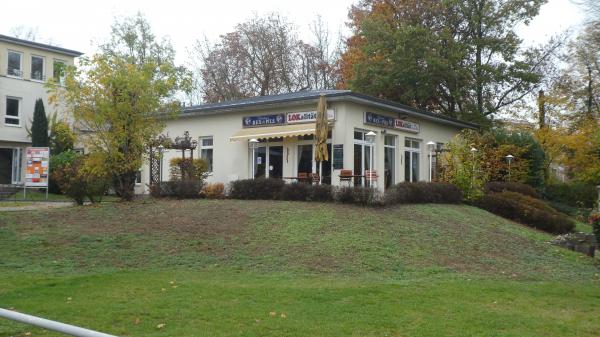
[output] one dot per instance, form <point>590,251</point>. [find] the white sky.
<point>76,24</point>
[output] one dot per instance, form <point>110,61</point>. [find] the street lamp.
<point>161,149</point>
<point>431,146</point>
<point>509,159</point>
<point>370,138</point>
<point>473,151</point>
<point>253,144</point>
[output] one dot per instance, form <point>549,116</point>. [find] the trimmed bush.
<point>187,189</point>
<point>526,210</point>
<point>344,195</point>
<point>364,196</point>
<point>77,178</point>
<point>214,191</point>
<point>322,193</point>
<point>422,192</point>
<point>573,194</point>
<point>295,192</point>
<point>503,186</point>
<point>256,189</point>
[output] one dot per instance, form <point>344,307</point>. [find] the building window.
<point>412,153</point>
<point>58,71</point>
<point>362,155</point>
<point>37,68</point>
<point>206,151</point>
<point>12,111</point>
<point>389,160</point>
<point>15,64</point>
<point>138,178</point>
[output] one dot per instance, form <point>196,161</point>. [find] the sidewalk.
<point>8,206</point>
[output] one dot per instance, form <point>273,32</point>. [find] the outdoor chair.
<point>371,178</point>
<point>346,176</point>
<point>315,178</point>
<point>303,177</point>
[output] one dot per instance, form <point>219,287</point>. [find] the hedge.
<point>526,210</point>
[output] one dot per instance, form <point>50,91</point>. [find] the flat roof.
<point>42,46</point>
<point>312,96</point>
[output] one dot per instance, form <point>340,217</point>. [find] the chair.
<point>316,179</point>
<point>303,177</point>
<point>371,177</point>
<point>346,176</point>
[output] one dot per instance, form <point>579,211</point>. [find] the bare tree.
<point>263,56</point>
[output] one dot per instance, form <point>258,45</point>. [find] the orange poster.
<point>37,167</point>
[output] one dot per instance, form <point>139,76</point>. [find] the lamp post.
<point>253,144</point>
<point>473,151</point>
<point>370,137</point>
<point>431,146</point>
<point>161,149</point>
<point>509,159</point>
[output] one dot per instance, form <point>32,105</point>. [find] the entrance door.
<point>260,162</point>
<point>6,166</point>
<point>276,162</point>
<point>390,160</point>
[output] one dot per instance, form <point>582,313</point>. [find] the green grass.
<point>332,270</point>
<point>34,195</point>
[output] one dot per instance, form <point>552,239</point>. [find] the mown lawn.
<point>266,268</point>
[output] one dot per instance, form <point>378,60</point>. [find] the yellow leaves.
<point>274,314</point>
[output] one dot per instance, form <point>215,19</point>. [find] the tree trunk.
<point>124,185</point>
<point>541,109</point>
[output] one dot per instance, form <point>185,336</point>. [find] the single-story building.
<point>272,136</point>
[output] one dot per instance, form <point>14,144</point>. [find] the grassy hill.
<point>229,268</point>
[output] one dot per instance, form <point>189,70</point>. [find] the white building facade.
<point>25,67</point>
<point>284,126</point>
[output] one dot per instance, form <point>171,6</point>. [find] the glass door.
<point>362,156</point>
<point>260,162</point>
<point>412,150</point>
<point>305,159</point>
<point>276,162</point>
<point>389,160</point>
<point>6,166</point>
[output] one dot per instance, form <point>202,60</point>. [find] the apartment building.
<point>25,67</point>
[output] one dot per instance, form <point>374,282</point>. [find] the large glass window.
<point>389,160</point>
<point>15,64</point>
<point>206,151</point>
<point>305,158</point>
<point>412,149</point>
<point>37,68</point>
<point>362,155</point>
<point>12,116</point>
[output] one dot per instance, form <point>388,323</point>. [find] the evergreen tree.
<point>39,126</point>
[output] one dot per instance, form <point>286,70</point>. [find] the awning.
<point>292,130</point>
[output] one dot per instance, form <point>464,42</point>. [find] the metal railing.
<point>47,324</point>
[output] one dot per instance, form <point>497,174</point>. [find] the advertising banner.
<point>37,169</point>
<point>391,123</point>
<point>306,116</point>
<point>265,120</point>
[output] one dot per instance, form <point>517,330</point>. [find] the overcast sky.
<point>77,24</point>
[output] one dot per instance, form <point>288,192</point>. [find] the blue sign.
<point>252,121</point>
<point>379,120</point>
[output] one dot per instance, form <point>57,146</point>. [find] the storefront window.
<point>362,155</point>
<point>412,149</point>
<point>305,158</point>
<point>390,160</point>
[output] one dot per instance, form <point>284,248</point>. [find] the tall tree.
<point>39,125</point>
<point>121,97</point>
<point>460,58</point>
<point>263,56</point>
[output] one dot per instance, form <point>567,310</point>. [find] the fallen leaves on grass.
<point>161,325</point>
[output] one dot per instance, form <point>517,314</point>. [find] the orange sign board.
<point>37,168</point>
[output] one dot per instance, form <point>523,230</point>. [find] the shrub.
<point>574,194</point>
<point>344,195</point>
<point>594,220</point>
<point>260,188</point>
<point>186,189</point>
<point>422,192</point>
<point>321,193</point>
<point>526,210</point>
<point>502,186</point>
<point>214,191</point>
<point>78,177</point>
<point>295,191</point>
<point>186,169</point>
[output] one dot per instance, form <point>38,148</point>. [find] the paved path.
<point>32,206</point>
